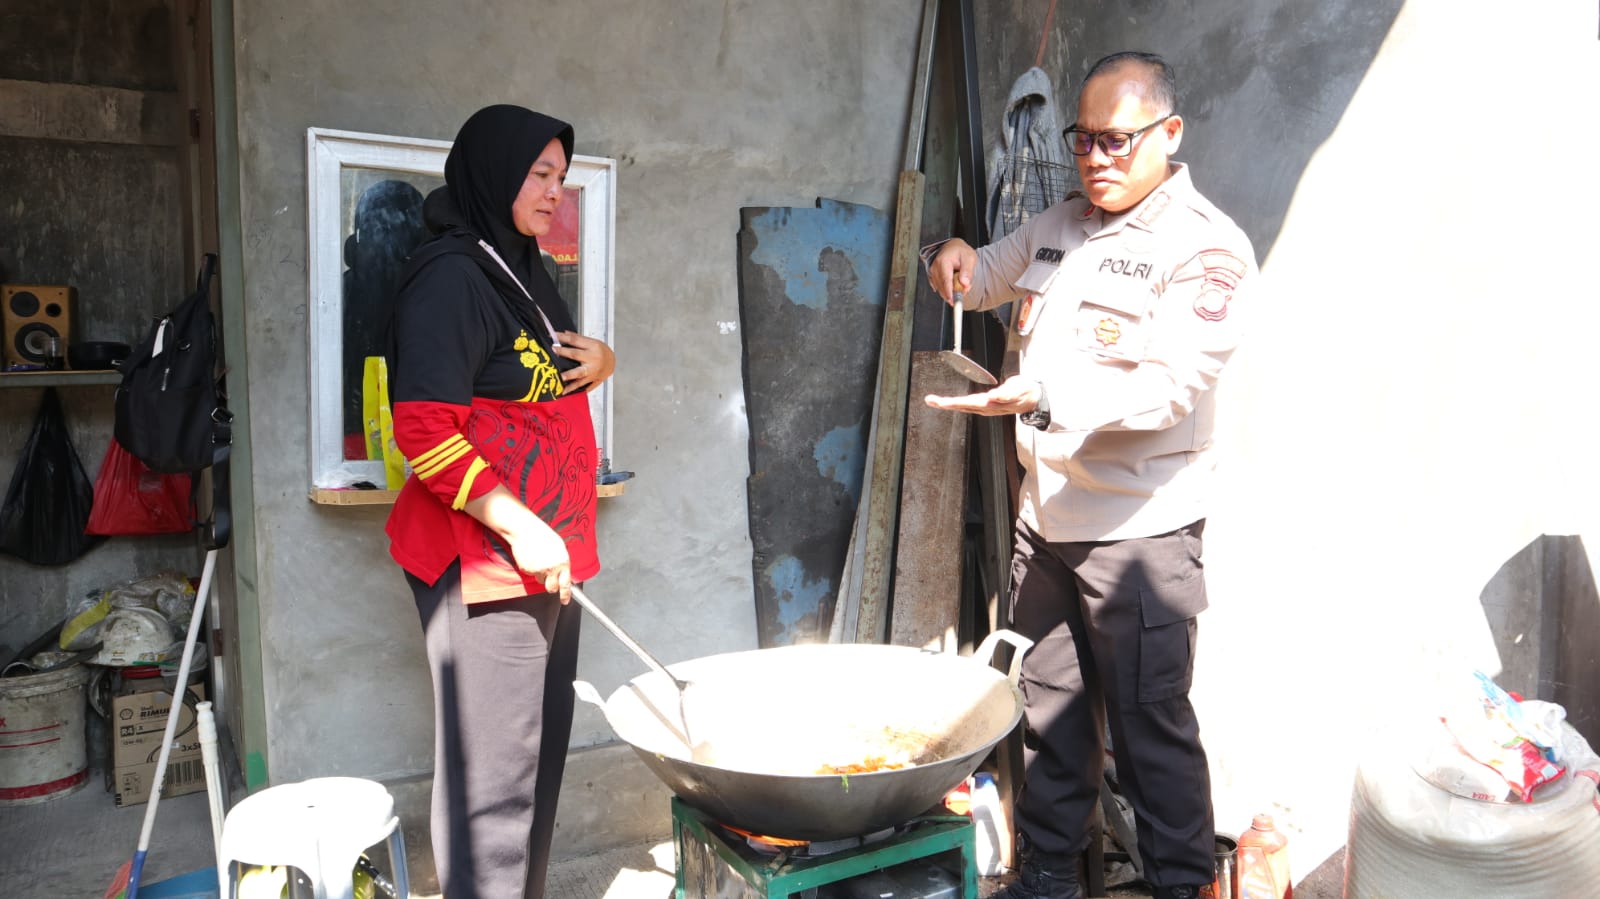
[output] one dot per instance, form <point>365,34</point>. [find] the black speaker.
<point>35,313</point>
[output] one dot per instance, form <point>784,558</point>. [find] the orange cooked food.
<point>866,765</point>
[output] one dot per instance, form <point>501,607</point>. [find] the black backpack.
<point>171,408</point>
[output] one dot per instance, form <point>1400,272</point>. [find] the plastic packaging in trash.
<point>1413,839</point>
<point>168,593</point>
<point>1490,727</point>
<point>134,637</point>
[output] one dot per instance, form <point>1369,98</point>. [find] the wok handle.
<point>985,651</point>
<point>588,693</point>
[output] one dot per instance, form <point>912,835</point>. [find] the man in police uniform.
<point>1129,308</point>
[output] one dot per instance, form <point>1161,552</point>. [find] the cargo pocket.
<point>1166,638</point>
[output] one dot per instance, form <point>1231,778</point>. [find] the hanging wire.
<point>1044,35</point>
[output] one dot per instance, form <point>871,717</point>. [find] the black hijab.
<point>484,172</point>
<point>486,168</point>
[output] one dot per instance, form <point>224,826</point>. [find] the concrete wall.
<point>1408,417</point>
<point>706,108</point>
<point>90,196</point>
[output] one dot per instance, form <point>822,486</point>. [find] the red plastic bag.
<point>129,498</point>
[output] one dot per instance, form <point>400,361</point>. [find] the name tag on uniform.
<point>1036,280</point>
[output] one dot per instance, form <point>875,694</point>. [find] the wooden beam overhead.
<point>90,113</point>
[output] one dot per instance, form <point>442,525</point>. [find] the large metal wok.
<point>750,737</point>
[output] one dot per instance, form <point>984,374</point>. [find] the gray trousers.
<point>1113,626</point>
<point>503,702</point>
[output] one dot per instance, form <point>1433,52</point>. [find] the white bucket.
<point>42,751</point>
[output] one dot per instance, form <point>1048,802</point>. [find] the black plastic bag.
<point>47,505</point>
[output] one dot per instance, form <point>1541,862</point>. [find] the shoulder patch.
<point>1223,273</point>
<point>1154,208</point>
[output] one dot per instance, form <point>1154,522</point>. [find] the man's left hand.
<point>1013,396</point>
<point>596,361</point>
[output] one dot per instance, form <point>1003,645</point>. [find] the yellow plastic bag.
<point>370,401</point>
<point>379,418</point>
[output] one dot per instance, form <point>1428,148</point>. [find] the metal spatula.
<point>650,660</point>
<point>968,368</point>
<point>622,636</point>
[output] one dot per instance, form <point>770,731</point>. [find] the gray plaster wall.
<point>1405,426</point>
<point>707,108</point>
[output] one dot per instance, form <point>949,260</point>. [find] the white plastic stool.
<point>320,826</point>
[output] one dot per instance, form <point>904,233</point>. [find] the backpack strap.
<point>220,529</point>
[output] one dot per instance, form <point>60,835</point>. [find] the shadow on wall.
<point>1543,610</point>
<point>1261,85</point>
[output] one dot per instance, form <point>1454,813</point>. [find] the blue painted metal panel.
<point>811,293</point>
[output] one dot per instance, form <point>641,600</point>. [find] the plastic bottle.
<point>1264,862</point>
<point>987,820</point>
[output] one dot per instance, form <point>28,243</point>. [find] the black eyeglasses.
<point>1112,143</point>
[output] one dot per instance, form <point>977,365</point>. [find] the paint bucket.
<point>42,750</point>
<point>1226,885</point>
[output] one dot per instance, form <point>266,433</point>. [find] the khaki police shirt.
<point>1127,320</point>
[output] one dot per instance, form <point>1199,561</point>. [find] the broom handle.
<point>215,786</point>
<point>174,710</point>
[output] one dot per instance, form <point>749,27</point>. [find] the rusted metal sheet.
<point>811,285</point>
<point>933,499</point>
<point>888,436</point>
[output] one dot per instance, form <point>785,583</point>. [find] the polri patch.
<point>1223,273</point>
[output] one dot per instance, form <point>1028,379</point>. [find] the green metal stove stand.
<point>779,877</point>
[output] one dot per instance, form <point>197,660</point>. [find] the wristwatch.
<point>1039,416</point>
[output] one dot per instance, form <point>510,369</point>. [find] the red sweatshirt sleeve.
<point>429,436</point>
<point>441,340</point>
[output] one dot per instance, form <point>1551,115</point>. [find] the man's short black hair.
<point>1163,83</point>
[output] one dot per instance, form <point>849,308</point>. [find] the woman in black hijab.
<point>496,521</point>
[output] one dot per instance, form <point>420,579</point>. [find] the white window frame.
<point>328,152</point>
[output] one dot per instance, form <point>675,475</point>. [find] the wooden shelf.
<point>59,378</point>
<point>349,497</point>
<point>332,496</point>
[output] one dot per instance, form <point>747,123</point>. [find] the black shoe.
<point>1044,877</point>
<point>1182,891</point>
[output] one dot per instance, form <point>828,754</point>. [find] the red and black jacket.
<point>479,402</point>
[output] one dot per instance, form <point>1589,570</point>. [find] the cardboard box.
<point>138,722</point>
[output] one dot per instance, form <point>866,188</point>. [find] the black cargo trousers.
<point>1113,625</point>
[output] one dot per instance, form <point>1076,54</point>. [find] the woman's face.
<point>535,206</point>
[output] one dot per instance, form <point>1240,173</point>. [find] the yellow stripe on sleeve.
<point>444,447</point>
<point>466,483</point>
<point>440,463</point>
<point>449,443</point>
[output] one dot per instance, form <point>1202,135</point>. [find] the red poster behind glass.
<point>562,241</point>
